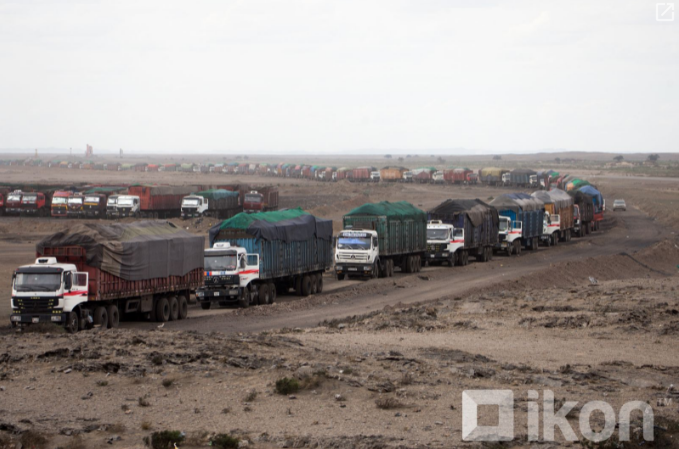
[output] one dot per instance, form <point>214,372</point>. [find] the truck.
<point>521,222</point>
<point>121,206</point>
<point>599,205</point>
<point>558,221</point>
<point>457,175</point>
<point>59,207</point>
<point>492,175</point>
<point>75,206</point>
<point>375,176</point>
<point>520,177</point>
<point>377,237</point>
<point>255,257</point>
<point>460,228</point>
<point>392,174</point>
<point>94,205</point>
<point>407,176</point>
<point>218,203</point>
<point>92,274</point>
<point>583,213</point>
<point>36,203</point>
<point>13,203</point>
<point>437,178</point>
<point>264,199</point>
<point>161,201</point>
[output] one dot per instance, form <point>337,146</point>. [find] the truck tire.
<point>556,239</point>
<point>306,285</point>
<point>113,316</point>
<point>375,271</point>
<point>245,298</point>
<point>319,283</point>
<point>205,305</point>
<point>183,307</point>
<point>340,277</point>
<point>72,323</point>
<point>174,308</point>
<point>314,283</point>
<point>298,285</point>
<point>391,268</point>
<point>100,317</point>
<point>264,295</point>
<point>272,292</point>
<point>162,310</point>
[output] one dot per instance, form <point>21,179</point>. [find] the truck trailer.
<point>254,257</point>
<point>92,274</point>
<point>558,221</point>
<point>458,229</point>
<point>161,201</point>
<point>380,236</point>
<point>521,222</point>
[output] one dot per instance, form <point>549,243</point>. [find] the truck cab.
<point>13,203</point>
<point>34,203</point>
<point>229,275</point>
<point>533,180</point>
<point>47,292</point>
<point>506,179</point>
<point>443,242</point>
<point>60,203</point>
<point>510,234</point>
<point>375,176</point>
<point>75,206</point>
<point>437,178</point>
<point>408,176</point>
<point>253,202</point>
<point>577,222</point>
<point>111,205</point>
<point>356,253</point>
<point>193,206</point>
<point>551,229</point>
<point>95,205</point>
<point>127,206</point>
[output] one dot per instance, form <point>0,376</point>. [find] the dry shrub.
<point>32,439</point>
<point>388,403</point>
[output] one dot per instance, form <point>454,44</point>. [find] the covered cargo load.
<point>559,207</point>
<point>597,203</point>
<point>521,176</point>
<point>392,174</point>
<point>492,175</point>
<point>161,201</point>
<point>525,218</point>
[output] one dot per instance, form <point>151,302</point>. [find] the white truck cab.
<point>125,206</point>
<point>437,178</point>
<point>229,275</point>
<point>408,176</point>
<point>551,227</point>
<point>194,206</point>
<point>46,291</point>
<point>443,242</point>
<point>356,253</point>
<point>510,233</point>
<point>375,176</point>
<point>533,180</point>
<point>506,179</point>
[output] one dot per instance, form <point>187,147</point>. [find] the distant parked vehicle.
<point>619,204</point>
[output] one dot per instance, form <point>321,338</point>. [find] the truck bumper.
<point>92,213</point>
<point>442,256</point>
<point>504,244</point>
<point>31,318</point>
<point>226,294</point>
<point>354,269</point>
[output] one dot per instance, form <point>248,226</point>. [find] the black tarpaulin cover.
<point>475,210</point>
<point>133,251</point>
<point>517,202</point>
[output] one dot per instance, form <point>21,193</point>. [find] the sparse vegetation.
<point>75,443</point>
<point>388,403</point>
<point>224,441</point>
<point>250,396</point>
<point>287,385</point>
<point>165,439</point>
<point>157,359</point>
<point>167,382</point>
<point>653,157</point>
<point>497,157</point>
<point>143,402</point>
<point>33,440</point>
<point>407,378</point>
<point>102,383</point>
<point>618,158</point>
<point>146,425</point>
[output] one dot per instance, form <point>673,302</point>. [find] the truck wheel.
<point>162,310</point>
<point>272,292</point>
<point>556,239</point>
<point>244,300</point>
<point>340,277</point>
<point>319,283</point>
<point>174,308</point>
<point>113,316</point>
<point>391,268</point>
<point>314,284</point>
<point>101,317</point>
<point>306,285</point>
<point>264,295</point>
<point>205,305</point>
<point>183,307</point>
<point>298,285</point>
<point>72,323</point>
<point>375,271</point>
<point>418,263</point>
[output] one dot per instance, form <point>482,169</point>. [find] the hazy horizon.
<point>318,77</point>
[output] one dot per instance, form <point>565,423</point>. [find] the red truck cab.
<point>35,203</point>
<point>60,203</point>
<point>75,205</point>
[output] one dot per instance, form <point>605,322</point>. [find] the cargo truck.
<point>94,205</point>
<point>583,213</point>
<point>492,175</point>
<point>13,203</point>
<point>93,274</point>
<point>521,222</point>
<point>459,229</point>
<point>378,237</point>
<point>264,199</point>
<point>254,257</point>
<point>75,206</point>
<point>59,207</point>
<point>121,206</point>
<point>218,203</point>
<point>36,204</point>
<point>598,204</point>
<point>558,221</point>
<point>161,201</point>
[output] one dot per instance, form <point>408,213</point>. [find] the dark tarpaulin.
<point>517,202</point>
<point>476,210</point>
<point>558,197</point>
<point>300,228</point>
<point>134,251</point>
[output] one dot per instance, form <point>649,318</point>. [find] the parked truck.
<point>521,222</point>
<point>161,201</point>
<point>59,207</point>
<point>94,205</point>
<point>459,229</point>
<point>218,203</point>
<point>254,257</point>
<point>75,205</point>
<point>583,213</point>
<point>558,221</point>
<point>264,199</point>
<point>92,274</point>
<point>598,203</point>
<point>36,204</point>
<point>492,175</point>
<point>519,177</point>
<point>377,237</point>
<point>13,203</point>
<point>122,206</point>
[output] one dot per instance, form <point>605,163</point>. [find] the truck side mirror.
<point>242,262</point>
<point>375,242</point>
<point>68,281</point>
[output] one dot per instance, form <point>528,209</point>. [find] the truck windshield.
<point>14,198</point>
<point>190,202</point>
<point>112,201</point>
<point>221,263</point>
<point>26,282</point>
<point>58,200</point>
<point>437,234</point>
<point>503,225</point>
<point>29,199</point>
<point>353,242</point>
<point>92,199</point>
<point>125,201</point>
<point>253,198</point>
<point>77,200</point>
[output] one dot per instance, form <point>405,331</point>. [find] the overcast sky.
<point>339,76</point>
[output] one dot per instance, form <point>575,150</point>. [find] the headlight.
<point>56,317</point>
<point>368,268</point>
<point>15,318</point>
<point>200,294</point>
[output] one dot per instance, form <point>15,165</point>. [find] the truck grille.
<point>434,247</point>
<point>36,305</point>
<point>353,257</point>
<point>224,279</point>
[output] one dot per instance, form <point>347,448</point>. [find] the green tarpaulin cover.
<point>400,209</point>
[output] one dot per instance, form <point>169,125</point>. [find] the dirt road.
<point>623,232</point>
